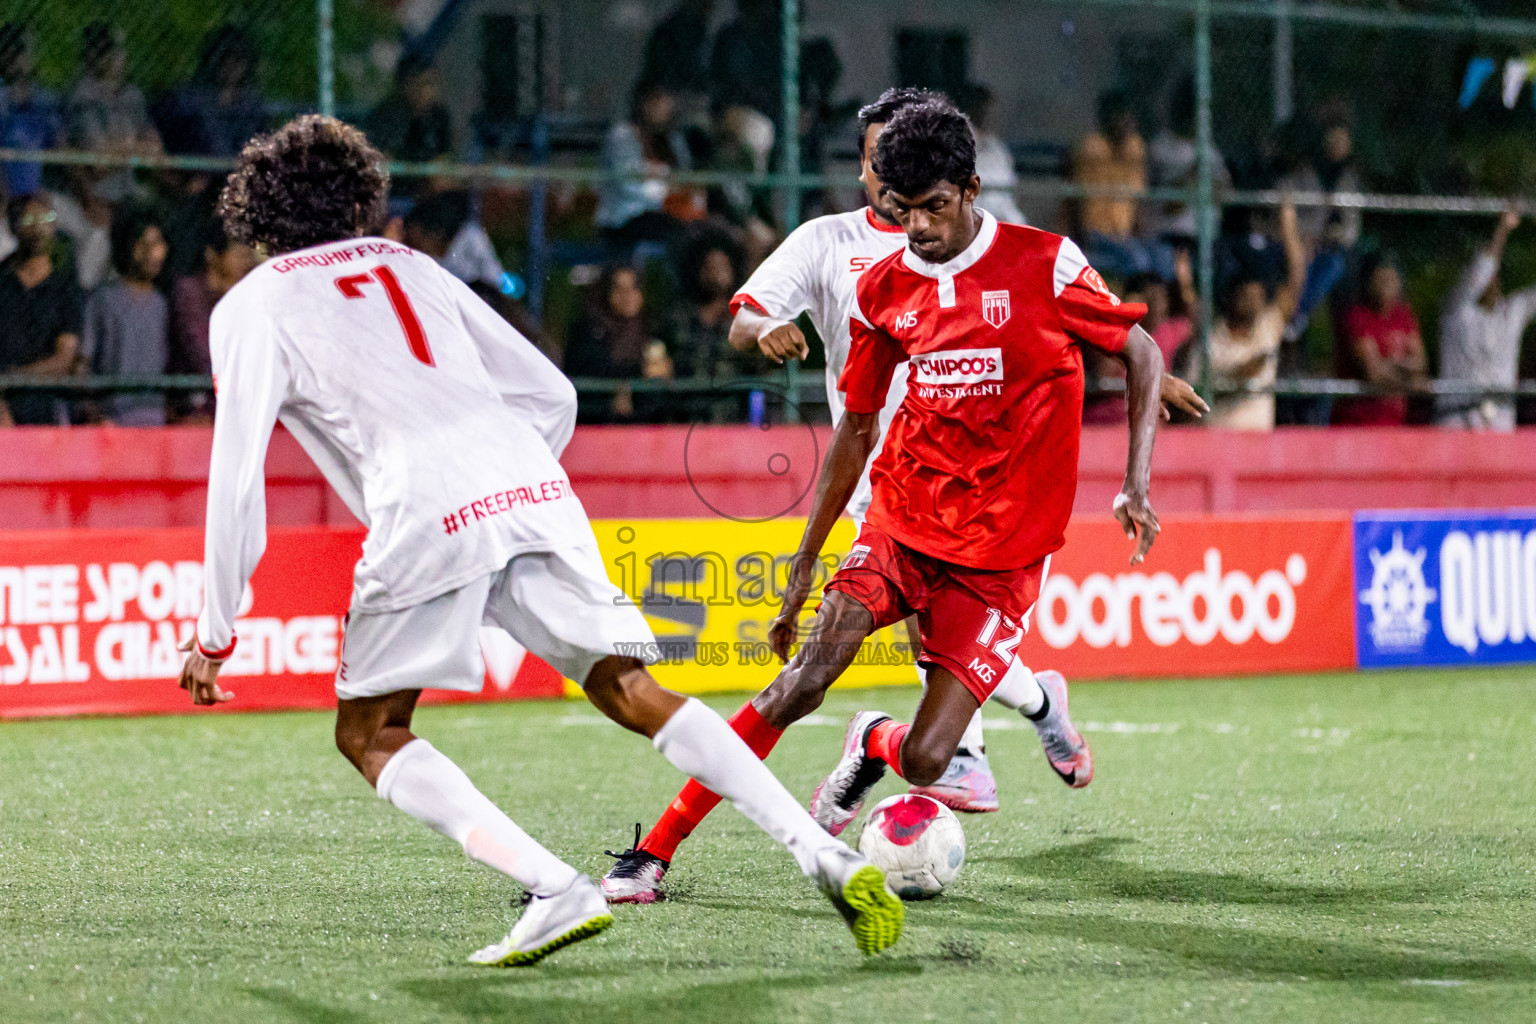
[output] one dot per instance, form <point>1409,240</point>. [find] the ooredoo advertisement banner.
<point>90,622</point>
<point>1216,596</point>
<point>1445,588</point>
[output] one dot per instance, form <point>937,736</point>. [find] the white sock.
<point>423,783</point>
<point>972,742</point>
<point>700,744</point>
<point>1019,690</point>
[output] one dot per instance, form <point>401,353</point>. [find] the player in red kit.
<point>974,483</point>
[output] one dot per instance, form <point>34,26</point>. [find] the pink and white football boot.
<point>1065,748</point>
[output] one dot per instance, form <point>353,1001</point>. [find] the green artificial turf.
<point>1340,848</point>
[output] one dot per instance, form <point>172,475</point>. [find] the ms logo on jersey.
<point>958,366</point>
<point>995,308</point>
<point>906,320</point>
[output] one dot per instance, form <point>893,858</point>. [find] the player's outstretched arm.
<point>777,339</point>
<point>852,442</point>
<point>1143,379</point>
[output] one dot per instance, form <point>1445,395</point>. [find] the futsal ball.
<point>917,842</point>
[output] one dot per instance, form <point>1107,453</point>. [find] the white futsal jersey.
<point>814,272</point>
<point>436,422</point>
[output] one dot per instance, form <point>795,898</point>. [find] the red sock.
<point>690,806</point>
<point>885,743</point>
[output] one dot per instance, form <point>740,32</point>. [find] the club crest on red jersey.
<point>995,307</point>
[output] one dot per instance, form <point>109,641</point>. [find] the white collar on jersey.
<point>965,259</point>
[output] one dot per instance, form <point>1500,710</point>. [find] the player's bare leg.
<point>968,784</point>
<point>840,627</point>
<point>875,741</point>
<point>700,744</point>
<point>562,906</point>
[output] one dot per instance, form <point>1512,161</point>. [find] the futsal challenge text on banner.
<point>90,622</point>
<point>1445,588</point>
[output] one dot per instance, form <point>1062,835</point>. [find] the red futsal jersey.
<point>979,467</point>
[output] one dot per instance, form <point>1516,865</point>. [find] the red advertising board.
<point>1217,596</point>
<point>90,621</point>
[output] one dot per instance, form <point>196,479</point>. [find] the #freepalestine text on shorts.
<point>1445,588</point>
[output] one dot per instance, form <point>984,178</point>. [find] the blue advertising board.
<point>1445,588</point>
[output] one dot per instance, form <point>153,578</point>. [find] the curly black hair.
<point>314,180</point>
<point>893,99</point>
<point>924,145</point>
<point>128,226</point>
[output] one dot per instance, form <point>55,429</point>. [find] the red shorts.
<point>972,619</point>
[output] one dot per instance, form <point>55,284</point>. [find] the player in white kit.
<point>815,271</point>
<point>440,427</point>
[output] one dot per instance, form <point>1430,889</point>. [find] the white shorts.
<point>560,605</point>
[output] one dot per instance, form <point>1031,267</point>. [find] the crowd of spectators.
<point>111,272</point>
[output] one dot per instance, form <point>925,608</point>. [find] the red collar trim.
<point>877,223</point>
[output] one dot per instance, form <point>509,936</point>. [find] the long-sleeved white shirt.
<point>437,423</point>
<point>1482,346</point>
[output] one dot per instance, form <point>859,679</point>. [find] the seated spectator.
<point>224,263</point>
<point>106,113</point>
<point>700,328</point>
<point>1173,161</point>
<point>1480,331</point>
<point>412,124</point>
<point>29,114</point>
<point>219,112</point>
<point>612,340</point>
<point>40,308</point>
<point>632,210</point>
<point>1245,342</point>
<point>1381,346</point>
<point>994,160</point>
<point>443,225</point>
<point>1170,331</point>
<point>126,320</point>
<point>1116,156</point>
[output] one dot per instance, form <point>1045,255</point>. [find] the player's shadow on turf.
<point>499,996</point>
<point>308,1010</point>
<point>1090,869</point>
<point>1268,956</point>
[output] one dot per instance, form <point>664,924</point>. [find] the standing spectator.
<point>677,52</point>
<point>219,112</point>
<point>612,340</point>
<point>106,113</point>
<point>1480,331</point>
<point>994,161</point>
<point>1174,162</point>
<point>126,319</point>
<point>1245,343</point>
<point>1330,233</point>
<point>39,310</point>
<point>1381,346</point>
<point>1116,156</point>
<point>443,225</point>
<point>746,62</point>
<point>224,263</point>
<point>646,209</point>
<point>412,123</point>
<point>29,114</point>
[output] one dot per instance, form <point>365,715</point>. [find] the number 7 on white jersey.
<point>351,285</point>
